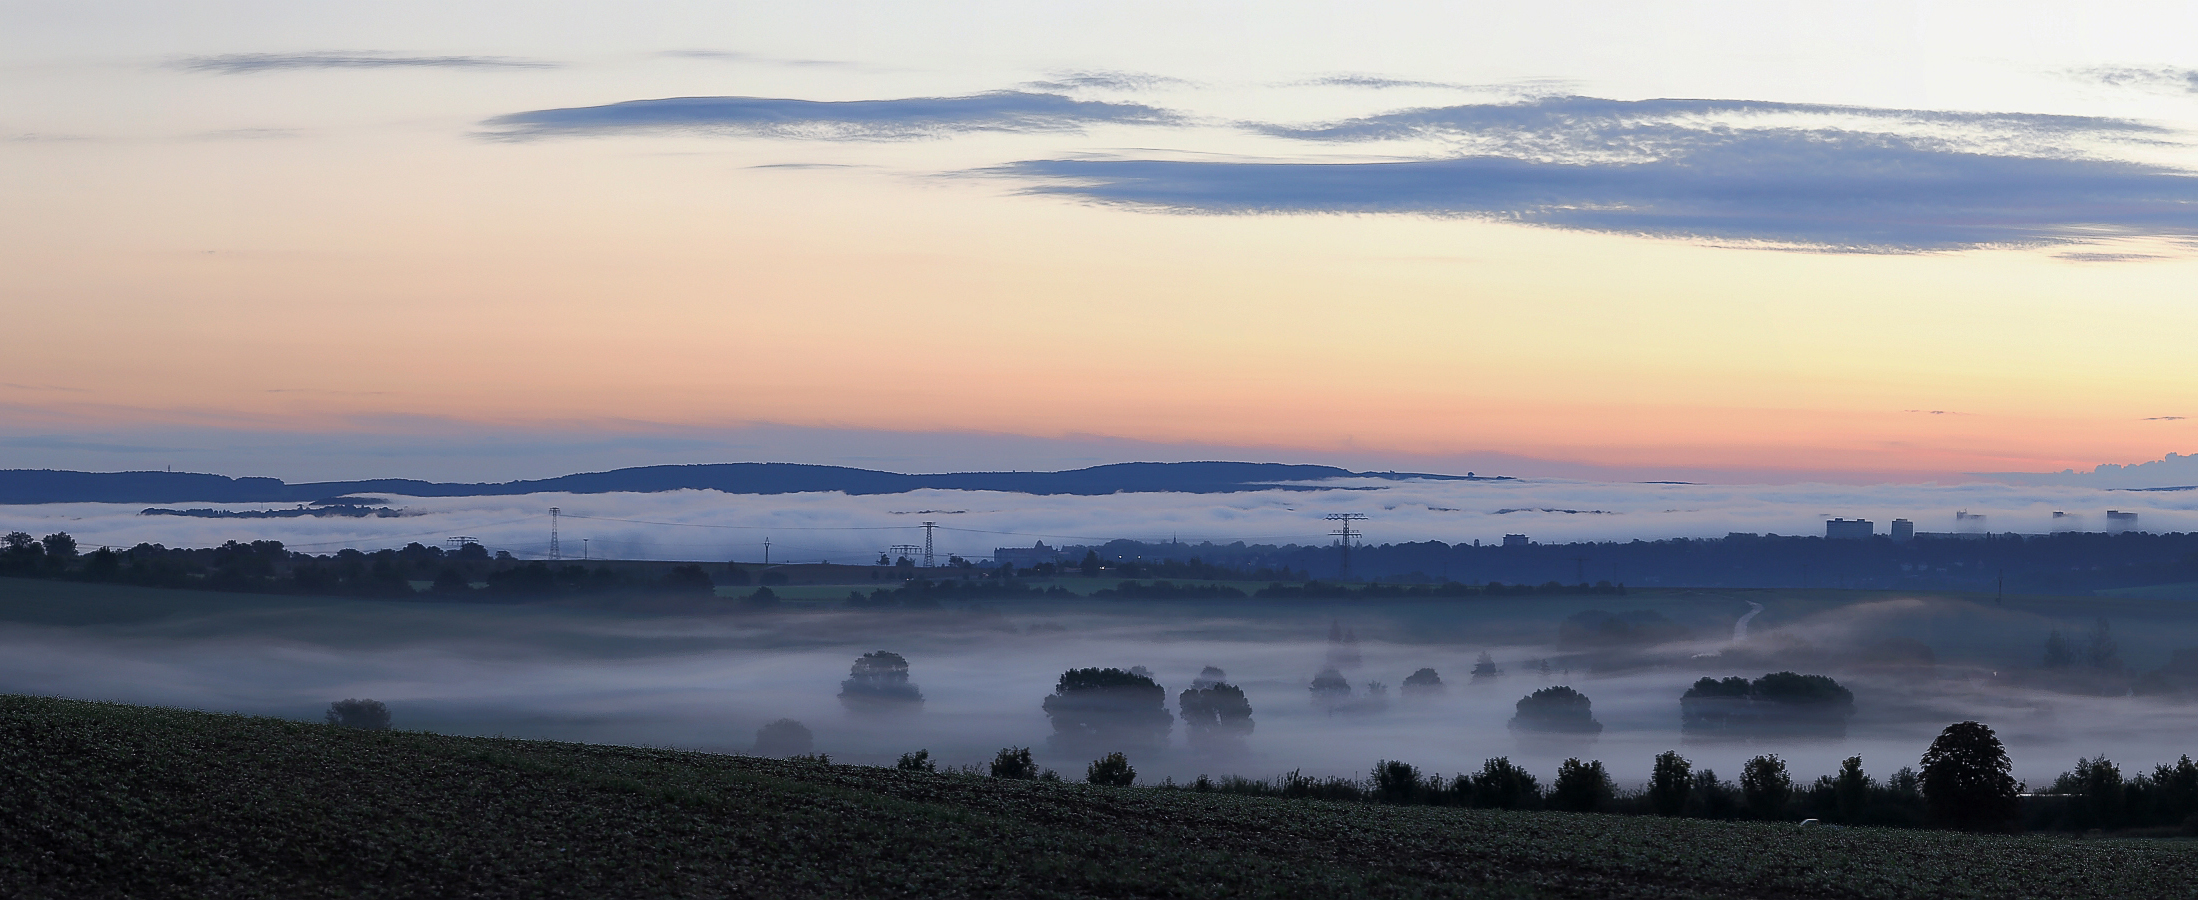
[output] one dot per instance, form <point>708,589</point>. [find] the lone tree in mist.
<point>1556,710</point>
<point>1329,688</point>
<point>1422,683</point>
<point>1669,783</point>
<point>1209,676</point>
<point>784,737</point>
<point>1101,707</point>
<point>368,714</point>
<point>1215,714</point>
<point>1112,769</point>
<point>1966,780</point>
<point>878,682</point>
<point>1485,666</point>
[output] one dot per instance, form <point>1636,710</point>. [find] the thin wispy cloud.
<point>1748,173</point>
<point>2156,78</point>
<point>1106,81</point>
<point>2164,418</point>
<point>247,63</point>
<point>839,120</point>
<point>1376,82</point>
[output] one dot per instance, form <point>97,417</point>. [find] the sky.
<point>1738,242</point>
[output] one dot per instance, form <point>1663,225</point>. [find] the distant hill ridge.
<point>57,486</point>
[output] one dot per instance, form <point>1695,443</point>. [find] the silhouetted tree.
<point>1215,714</point>
<point>59,545</point>
<point>1766,787</point>
<point>2057,652</point>
<point>1108,707</point>
<point>2096,785</point>
<point>1581,787</point>
<point>1112,769</point>
<point>368,714</point>
<point>1329,688</point>
<point>919,761</point>
<point>763,598</point>
<point>878,682</point>
<point>1014,763</point>
<point>1422,683</point>
<point>1556,710</point>
<point>1209,676</point>
<point>1485,667</point>
<point>1396,781</point>
<point>1501,785</point>
<point>2100,650</point>
<point>1965,778</point>
<point>1091,564</point>
<point>784,737</point>
<point>1851,791</point>
<point>1670,781</point>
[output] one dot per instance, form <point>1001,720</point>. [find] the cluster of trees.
<point>468,572</point>
<point>923,593</point>
<point>1780,703</point>
<point>1316,590</point>
<point>1963,782</point>
<point>1167,590</point>
<point>2067,563</point>
<point>2095,795</point>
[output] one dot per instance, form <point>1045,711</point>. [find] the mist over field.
<point>707,525</point>
<point>709,682</point>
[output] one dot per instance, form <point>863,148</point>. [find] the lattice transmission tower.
<point>1346,534</point>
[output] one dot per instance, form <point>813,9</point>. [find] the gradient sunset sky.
<point>1713,240</point>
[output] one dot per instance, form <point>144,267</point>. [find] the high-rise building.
<point>1903,531</point>
<point>1515,540</point>
<point>1849,529</point>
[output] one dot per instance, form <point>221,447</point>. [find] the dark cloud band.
<point>1001,111</point>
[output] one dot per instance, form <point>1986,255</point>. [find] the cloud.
<point>1937,412</point>
<point>2156,78</point>
<point>2163,418</point>
<point>245,63</point>
<point>1794,176</point>
<point>1377,82</point>
<point>2087,256</point>
<point>843,120</point>
<point>1106,81</point>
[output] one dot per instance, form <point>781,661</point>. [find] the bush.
<point>1395,781</point>
<point>1501,785</point>
<point>919,761</point>
<point>1669,783</point>
<point>1581,787</point>
<point>1014,763</point>
<point>763,598</point>
<point>1765,787</point>
<point>784,737</point>
<point>1112,769</point>
<point>1424,681</point>
<point>1965,779</point>
<point>878,681</point>
<point>368,714</point>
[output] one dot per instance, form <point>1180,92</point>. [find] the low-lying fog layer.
<point>710,682</point>
<point>707,525</point>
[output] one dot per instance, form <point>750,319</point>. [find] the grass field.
<point>110,801</point>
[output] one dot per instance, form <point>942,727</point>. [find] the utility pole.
<point>766,551</point>
<point>1346,534</point>
<point>554,552</point>
<point>927,527</point>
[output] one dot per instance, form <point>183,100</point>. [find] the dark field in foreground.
<point>106,800</point>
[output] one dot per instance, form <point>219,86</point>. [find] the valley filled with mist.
<point>709,681</point>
